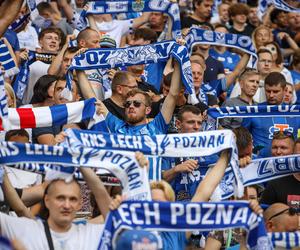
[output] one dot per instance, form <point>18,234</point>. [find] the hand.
<point>142,160</point>
<point>185,31</point>
<point>100,108</point>
<point>111,73</point>
<point>115,203</point>
<point>187,166</point>
<point>60,137</point>
<point>243,162</point>
<point>70,38</point>
<point>180,41</point>
<point>24,54</point>
<point>283,35</point>
<point>254,205</point>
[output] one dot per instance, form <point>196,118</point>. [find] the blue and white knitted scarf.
<point>201,36</point>
<point>171,145</point>
<point>152,53</point>
<point>280,4</point>
<point>175,217</point>
<point>125,6</point>
<point>285,240</point>
<point>7,61</point>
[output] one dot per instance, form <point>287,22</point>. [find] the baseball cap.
<point>138,240</point>
<point>107,42</point>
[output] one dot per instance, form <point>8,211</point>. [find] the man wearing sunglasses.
<point>137,107</point>
<point>280,217</point>
<point>285,190</point>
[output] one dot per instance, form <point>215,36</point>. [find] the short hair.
<point>279,59</point>
<point>243,137</point>
<point>188,108</point>
<point>220,25</point>
<point>281,135</point>
<point>40,90</point>
<point>136,91</point>
<point>165,187</point>
<point>274,14</point>
<point>44,6</point>
<point>263,50</point>
<point>146,34</point>
<point>84,34</point>
<point>238,9</point>
<point>275,78</point>
<point>199,2</point>
<point>55,30</point>
<point>70,50</point>
<point>120,78</point>
<point>248,72</point>
<point>16,132</point>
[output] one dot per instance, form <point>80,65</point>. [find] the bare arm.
<point>34,194</point>
<point>137,22</point>
<point>14,200</point>
<point>8,13</point>
<point>97,187</point>
<point>170,101</point>
<point>92,22</point>
<point>230,79</point>
<point>67,9</point>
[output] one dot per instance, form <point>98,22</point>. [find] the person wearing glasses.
<point>279,217</point>
<point>285,190</point>
<point>137,107</point>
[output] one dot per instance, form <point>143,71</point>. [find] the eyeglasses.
<point>282,134</point>
<point>135,103</point>
<point>292,211</point>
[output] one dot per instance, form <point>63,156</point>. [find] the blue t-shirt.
<point>296,79</point>
<point>229,59</point>
<point>213,69</point>
<point>263,128</point>
<point>173,240</point>
<point>156,126</point>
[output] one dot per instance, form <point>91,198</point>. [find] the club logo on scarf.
<point>220,37</point>
<point>280,128</point>
<point>138,5</point>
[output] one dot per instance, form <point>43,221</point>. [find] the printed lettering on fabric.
<point>285,240</point>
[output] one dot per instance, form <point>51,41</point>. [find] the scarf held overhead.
<point>175,216</point>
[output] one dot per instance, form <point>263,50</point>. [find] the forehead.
<point>254,77</point>
<point>62,188</point>
<point>287,142</point>
<point>265,55</point>
<point>60,83</point>
<point>136,97</point>
<point>196,67</point>
<point>50,34</point>
<point>273,88</point>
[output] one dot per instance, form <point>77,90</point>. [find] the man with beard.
<point>137,107</point>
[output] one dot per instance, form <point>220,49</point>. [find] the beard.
<point>133,119</point>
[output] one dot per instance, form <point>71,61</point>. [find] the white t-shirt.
<point>28,38</point>
<point>32,234</point>
<point>115,29</point>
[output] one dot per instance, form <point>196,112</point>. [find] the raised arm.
<point>240,67</point>
<point>137,22</point>
<point>8,13</point>
<point>98,189</point>
<point>67,9</point>
<point>170,101</point>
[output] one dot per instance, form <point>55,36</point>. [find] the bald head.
<point>278,218</point>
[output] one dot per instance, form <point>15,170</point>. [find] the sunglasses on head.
<point>135,103</point>
<point>292,211</point>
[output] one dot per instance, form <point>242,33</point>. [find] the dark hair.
<point>188,108</point>
<point>263,50</point>
<point>40,90</point>
<point>275,78</point>
<point>238,9</point>
<point>120,78</point>
<point>42,7</point>
<point>70,50</point>
<point>243,138</point>
<point>146,34</point>
<point>275,13</point>
<point>15,132</point>
<point>51,29</point>
<point>220,25</point>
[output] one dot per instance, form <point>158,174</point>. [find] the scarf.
<point>22,79</point>
<point>282,5</point>
<point>285,240</point>
<point>3,102</point>
<point>152,53</point>
<point>7,61</point>
<point>175,216</point>
<point>114,7</point>
<point>251,111</point>
<point>201,36</point>
<point>170,145</point>
<point>259,171</point>
<point>122,164</point>
<point>56,115</point>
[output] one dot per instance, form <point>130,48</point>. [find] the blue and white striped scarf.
<point>127,6</point>
<point>122,164</point>
<point>259,171</point>
<point>175,217</point>
<point>170,145</point>
<point>201,36</point>
<point>280,4</point>
<point>152,53</point>
<point>7,61</point>
<point>285,240</point>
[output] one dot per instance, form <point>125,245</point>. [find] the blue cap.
<point>137,240</point>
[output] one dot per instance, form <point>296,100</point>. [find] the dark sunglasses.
<point>284,133</point>
<point>292,211</point>
<point>135,103</point>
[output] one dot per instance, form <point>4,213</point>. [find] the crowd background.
<point>150,99</point>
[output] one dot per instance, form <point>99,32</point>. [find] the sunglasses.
<point>292,211</point>
<point>135,103</point>
<point>284,133</point>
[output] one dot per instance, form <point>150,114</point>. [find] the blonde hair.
<point>11,93</point>
<point>260,28</point>
<point>165,187</point>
